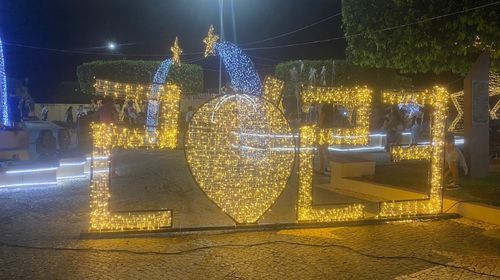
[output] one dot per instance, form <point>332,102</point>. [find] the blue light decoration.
<point>240,68</point>
<point>154,98</point>
<point>4,109</point>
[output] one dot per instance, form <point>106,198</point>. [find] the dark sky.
<point>151,26</point>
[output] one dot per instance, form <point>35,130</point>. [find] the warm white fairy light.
<point>109,136</point>
<point>437,98</point>
<point>273,91</point>
<point>232,158</point>
<point>306,212</point>
<point>176,52</point>
<point>358,98</point>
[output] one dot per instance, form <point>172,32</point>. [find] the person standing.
<point>325,121</point>
<point>109,115</point>
<point>69,116</point>
<point>455,163</point>
<point>131,113</point>
<point>189,115</point>
<point>45,113</point>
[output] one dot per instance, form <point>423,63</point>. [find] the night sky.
<point>147,29</point>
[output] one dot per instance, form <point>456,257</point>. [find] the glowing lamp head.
<point>111,46</point>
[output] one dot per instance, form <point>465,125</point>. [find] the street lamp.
<point>221,19</point>
<point>111,46</point>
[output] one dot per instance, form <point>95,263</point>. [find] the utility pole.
<point>221,17</point>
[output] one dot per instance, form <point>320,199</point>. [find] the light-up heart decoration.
<point>241,151</point>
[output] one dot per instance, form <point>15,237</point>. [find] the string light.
<point>106,137</point>
<point>420,152</point>
<point>210,41</point>
<point>176,52</point>
<point>273,91</point>
<point>153,99</point>
<point>234,156</point>
<point>457,99</point>
<point>240,68</point>
<point>244,78</point>
<point>438,99</point>
<point>356,98</point>
<point>166,101</point>
<point>458,102</point>
<point>305,210</point>
<point>4,107</point>
<point>494,90</point>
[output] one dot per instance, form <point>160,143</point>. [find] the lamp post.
<point>221,18</point>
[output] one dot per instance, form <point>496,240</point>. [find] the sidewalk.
<point>477,199</point>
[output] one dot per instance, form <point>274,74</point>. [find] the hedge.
<point>346,74</point>
<point>188,76</point>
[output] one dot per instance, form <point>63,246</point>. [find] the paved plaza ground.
<point>40,227</point>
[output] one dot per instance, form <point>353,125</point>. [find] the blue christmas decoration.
<point>154,99</point>
<point>241,70</point>
<point>4,109</point>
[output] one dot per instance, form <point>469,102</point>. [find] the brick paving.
<point>39,239</point>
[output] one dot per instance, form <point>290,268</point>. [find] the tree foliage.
<point>188,76</point>
<point>402,34</point>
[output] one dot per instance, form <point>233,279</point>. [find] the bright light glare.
<point>111,46</point>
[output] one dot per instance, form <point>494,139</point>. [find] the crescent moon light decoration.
<point>240,68</point>
<point>154,98</point>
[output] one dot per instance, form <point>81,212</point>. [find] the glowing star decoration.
<point>4,108</point>
<point>457,99</point>
<point>176,52</point>
<point>244,78</point>
<point>358,98</point>
<point>240,155</point>
<point>437,98</point>
<point>494,90</point>
<point>210,41</point>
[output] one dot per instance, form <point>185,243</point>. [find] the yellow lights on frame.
<point>437,98</point>
<point>210,41</point>
<point>176,52</point>
<point>106,137</point>
<point>240,150</point>
<point>357,98</point>
<point>273,91</point>
<point>458,102</point>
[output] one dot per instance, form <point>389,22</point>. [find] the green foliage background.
<point>188,76</point>
<point>346,74</point>
<point>447,44</point>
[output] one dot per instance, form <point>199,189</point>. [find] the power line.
<point>266,47</point>
<point>378,30</point>
<point>293,31</point>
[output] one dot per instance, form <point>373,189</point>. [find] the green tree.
<point>188,76</point>
<point>403,34</point>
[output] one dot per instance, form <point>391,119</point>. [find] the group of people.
<point>397,120</point>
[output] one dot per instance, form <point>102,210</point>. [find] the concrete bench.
<point>344,167</point>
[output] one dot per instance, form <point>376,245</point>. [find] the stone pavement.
<point>39,239</point>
